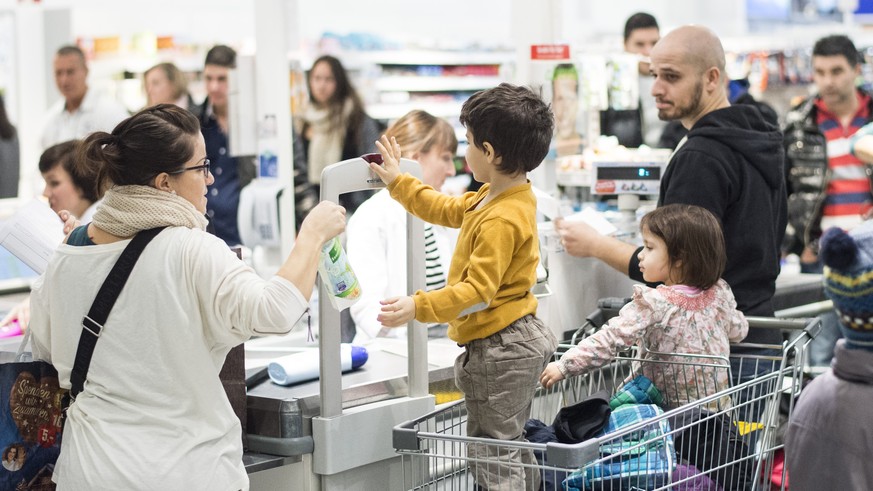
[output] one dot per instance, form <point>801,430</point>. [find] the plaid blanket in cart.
<point>639,459</point>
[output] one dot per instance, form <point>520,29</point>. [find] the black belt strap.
<point>92,324</point>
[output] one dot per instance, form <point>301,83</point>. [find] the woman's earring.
<point>173,191</point>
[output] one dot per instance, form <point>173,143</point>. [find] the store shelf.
<point>427,57</point>
<point>394,111</point>
<point>436,83</point>
<point>396,82</point>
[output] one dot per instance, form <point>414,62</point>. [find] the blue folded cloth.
<point>640,390</point>
<point>643,458</point>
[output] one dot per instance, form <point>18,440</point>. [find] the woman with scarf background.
<point>335,126</point>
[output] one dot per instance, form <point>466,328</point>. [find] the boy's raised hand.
<point>390,168</point>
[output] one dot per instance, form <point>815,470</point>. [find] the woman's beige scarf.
<point>126,210</point>
<point>326,140</point>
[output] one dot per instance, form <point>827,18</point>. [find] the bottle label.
<point>338,273</point>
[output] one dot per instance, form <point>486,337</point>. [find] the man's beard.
<point>683,112</point>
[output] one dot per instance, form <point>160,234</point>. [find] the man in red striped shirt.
<point>827,185</point>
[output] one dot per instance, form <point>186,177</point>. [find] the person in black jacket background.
<point>633,127</point>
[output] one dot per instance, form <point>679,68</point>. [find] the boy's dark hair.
<point>692,235</point>
<point>515,121</point>
<point>64,155</point>
<point>837,45</point>
<point>639,20</point>
<point>221,55</point>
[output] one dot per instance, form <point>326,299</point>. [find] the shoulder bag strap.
<point>92,324</point>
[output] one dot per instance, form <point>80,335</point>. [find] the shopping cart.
<point>732,445</point>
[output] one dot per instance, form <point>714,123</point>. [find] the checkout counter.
<point>335,433</point>
<point>289,421</point>
<point>286,413</point>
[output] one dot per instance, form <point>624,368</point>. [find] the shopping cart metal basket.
<point>730,446</point>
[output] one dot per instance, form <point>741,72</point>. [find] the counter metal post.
<point>346,177</point>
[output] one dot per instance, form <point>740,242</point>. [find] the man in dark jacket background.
<point>731,164</point>
<point>231,173</point>
<point>827,185</point>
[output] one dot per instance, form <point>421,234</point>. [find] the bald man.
<point>731,163</point>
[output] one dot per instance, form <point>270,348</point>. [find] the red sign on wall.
<point>550,52</point>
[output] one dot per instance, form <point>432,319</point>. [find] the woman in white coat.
<point>376,232</point>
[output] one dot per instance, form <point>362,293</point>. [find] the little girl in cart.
<point>691,312</point>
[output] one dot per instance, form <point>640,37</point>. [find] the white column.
<point>32,79</point>
<point>533,22</point>
<point>39,33</point>
<point>272,34</point>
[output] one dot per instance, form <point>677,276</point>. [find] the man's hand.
<point>397,311</point>
<point>578,238</point>
<point>582,240</point>
<point>390,168</point>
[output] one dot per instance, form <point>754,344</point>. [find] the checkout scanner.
<point>338,430</point>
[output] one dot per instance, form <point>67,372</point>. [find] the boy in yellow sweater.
<point>487,301</point>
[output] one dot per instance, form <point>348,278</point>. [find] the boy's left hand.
<point>397,311</point>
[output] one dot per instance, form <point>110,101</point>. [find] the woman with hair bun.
<point>153,413</point>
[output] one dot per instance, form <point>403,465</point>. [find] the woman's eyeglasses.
<point>204,167</point>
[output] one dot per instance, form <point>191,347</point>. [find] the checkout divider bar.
<point>346,177</point>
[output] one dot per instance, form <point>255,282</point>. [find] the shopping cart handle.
<point>812,325</point>
<point>613,303</point>
<point>569,456</point>
<point>285,447</point>
<point>405,438</point>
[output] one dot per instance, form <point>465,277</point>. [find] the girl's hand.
<point>325,221</point>
<point>70,221</point>
<point>551,375</point>
<point>396,311</point>
<point>390,168</point>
